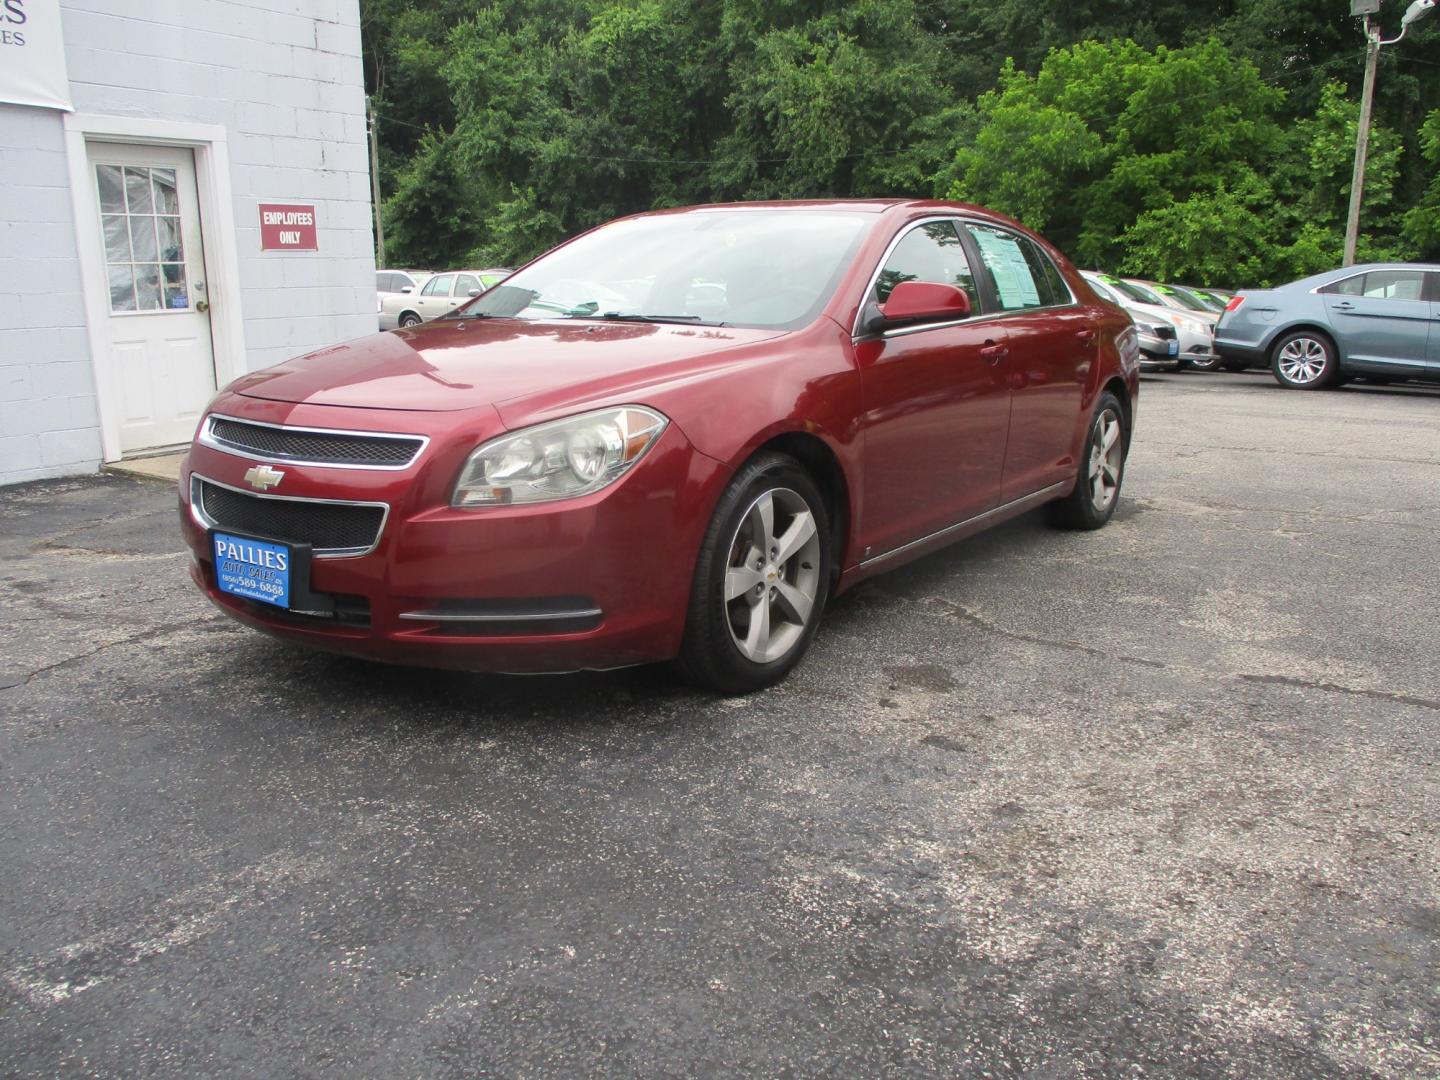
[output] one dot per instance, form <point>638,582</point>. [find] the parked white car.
<point>1193,337</point>
<point>442,293</point>
<point>392,283</point>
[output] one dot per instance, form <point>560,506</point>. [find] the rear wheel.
<point>761,580</point>
<point>410,319</point>
<point>1102,470</point>
<point>1304,360</point>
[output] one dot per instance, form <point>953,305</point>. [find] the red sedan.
<point>677,435</point>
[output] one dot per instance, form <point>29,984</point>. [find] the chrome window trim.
<point>856,334</point>
<point>1424,282</point>
<point>198,515</point>
<point>208,438</point>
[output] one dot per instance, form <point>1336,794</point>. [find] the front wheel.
<point>1102,470</point>
<point>761,580</point>
<point>1305,360</point>
<point>1206,363</point>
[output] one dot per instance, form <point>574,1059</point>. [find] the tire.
<point>1304,360</point>
<point>1209,363</point>
<point>410,319</point>
<point>1083,508</point>
<point>734,581</point>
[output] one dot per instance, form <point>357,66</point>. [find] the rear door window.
<point>1010,269</point>
<point>438,286</point>
<point>1395,284</point>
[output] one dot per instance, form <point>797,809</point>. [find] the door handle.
<point>202,306</point>
<point>1085,336</point>
<point>992,353</point>
<point>1343,305</point>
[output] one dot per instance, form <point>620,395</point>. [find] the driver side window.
<point>929,252</point>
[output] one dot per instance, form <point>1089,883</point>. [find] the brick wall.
<point>283,77</point>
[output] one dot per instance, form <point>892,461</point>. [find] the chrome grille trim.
<point>208,437</point>
<point>202,519</point>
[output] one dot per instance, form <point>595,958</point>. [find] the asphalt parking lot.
<point>1158,800</point>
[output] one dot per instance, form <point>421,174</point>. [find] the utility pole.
<point>1362,142</point>
<point>375,183</point>
<point>1417,10</point>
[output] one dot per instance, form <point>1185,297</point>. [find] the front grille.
<point>1164,333</point>
<point>322,447</point>
<point>328,527</point>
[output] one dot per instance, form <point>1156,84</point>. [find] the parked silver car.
<point>1197,348</point>
<point>442,293</point>
<point>1159,334</point>
<point>1379,321</point>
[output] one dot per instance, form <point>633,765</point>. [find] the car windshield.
<point>1134,292</point>
<point>759,268</point>
<point>1192,300</point>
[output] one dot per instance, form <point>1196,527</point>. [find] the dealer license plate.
<point>254,569</point>
<point>1174,348</point>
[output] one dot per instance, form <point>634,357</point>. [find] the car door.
<point>467,286</point>
<point>434,299</point>
<point>1432,359</point>
<point>1053,347</point>
<point>936,405</point>
<point>1381,321</point>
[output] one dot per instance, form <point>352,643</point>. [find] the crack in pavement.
<point>11,682</point>
<point>979,621</point>
<point>1336,688</point>
<point>965,614</point>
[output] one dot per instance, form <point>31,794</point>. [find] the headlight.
<point>558,460</point>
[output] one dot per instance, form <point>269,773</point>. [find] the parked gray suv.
<point>1379,321</point>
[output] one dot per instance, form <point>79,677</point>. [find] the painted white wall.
<point>284,79</point>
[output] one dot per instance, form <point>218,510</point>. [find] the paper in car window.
<point>1007,265</point>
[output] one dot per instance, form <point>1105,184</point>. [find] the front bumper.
<point>597,582</point>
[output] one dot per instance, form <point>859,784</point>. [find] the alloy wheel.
<point>1302,360</point>
<point>1107,458</point>
<point>773,575</point>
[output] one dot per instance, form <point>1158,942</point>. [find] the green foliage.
<point>1422,222</point>
<point>1208,144</point>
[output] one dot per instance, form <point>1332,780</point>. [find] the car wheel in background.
<point>1102,471</point>
<point>1205,363</point>
<point>410,319</point>
<point>1304,360</point>
<point>761,580</point>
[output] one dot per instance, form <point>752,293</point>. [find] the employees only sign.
<point>287,226</point>
<point>32,54</point>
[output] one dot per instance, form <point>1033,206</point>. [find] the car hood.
<point>461,364</point>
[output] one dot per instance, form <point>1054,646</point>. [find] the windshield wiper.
<point>617,316</point>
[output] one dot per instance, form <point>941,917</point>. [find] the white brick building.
<point>132,276</point>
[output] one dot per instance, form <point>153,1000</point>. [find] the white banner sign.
<point>32,54</point>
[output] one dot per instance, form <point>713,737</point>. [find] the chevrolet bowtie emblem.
<point>263,477</point>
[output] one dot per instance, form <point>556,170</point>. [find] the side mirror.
<point>924,301</point>
<point>474,292</point>
<point>407,288</point>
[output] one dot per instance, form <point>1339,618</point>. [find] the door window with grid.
<point>144,252</point>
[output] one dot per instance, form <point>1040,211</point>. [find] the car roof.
<point>1359,268</point>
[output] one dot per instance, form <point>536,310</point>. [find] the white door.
<point>161,359</point>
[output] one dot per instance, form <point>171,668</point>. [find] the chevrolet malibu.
<point>676,436</point>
